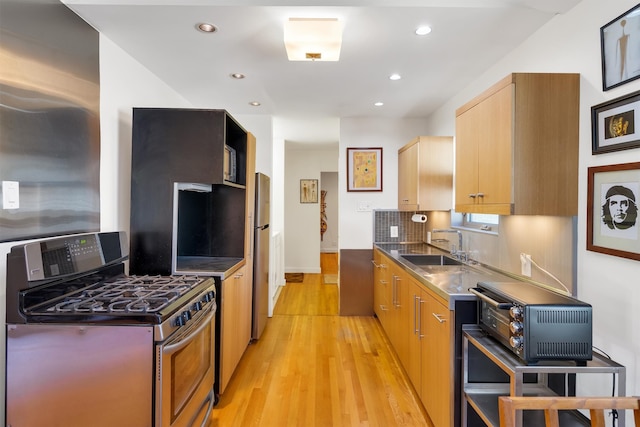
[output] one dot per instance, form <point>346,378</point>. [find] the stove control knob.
<point>209,296</point>
<point>516,342</point>
<point>180,320</point>
<point>187,315</point>
<point>516,328</point>
<point>197,306</point>
<point>516,312</point>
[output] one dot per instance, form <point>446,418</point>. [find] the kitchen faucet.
<point>455,252</point>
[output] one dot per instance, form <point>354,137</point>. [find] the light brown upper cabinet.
<point>425,174</point>
<point>517,147</point>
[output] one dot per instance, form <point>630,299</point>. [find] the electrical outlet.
<point>525,263</point>
<point>393,231</point>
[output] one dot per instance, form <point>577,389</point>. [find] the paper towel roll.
<point>419,218</point>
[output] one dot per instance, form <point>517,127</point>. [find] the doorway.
<point>329,212</point>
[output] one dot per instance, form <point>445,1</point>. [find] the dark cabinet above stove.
<point>193,145</point>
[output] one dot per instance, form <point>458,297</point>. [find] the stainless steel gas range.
<point>89,345</point>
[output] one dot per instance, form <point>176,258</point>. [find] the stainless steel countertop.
<point>221,267</point>
<point>451,282</point>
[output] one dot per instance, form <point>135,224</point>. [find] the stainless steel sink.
<point>423,259</point>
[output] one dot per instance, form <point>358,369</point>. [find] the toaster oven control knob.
<point>516,327</point>
<point>516,312</point>
<point>516,342</point>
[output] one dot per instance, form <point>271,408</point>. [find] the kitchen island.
<point>422,306</point>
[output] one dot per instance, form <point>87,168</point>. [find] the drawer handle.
<point>439,317</point>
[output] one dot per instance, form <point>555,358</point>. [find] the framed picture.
<point>614,125</point>
<point>620,47</point>
<point>309,191</point>
<point>364,169</point>
<point>612,210</point>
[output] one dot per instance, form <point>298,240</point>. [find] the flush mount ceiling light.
<point>237,76</point>
<point>313,39</point>
<point>254,104</point>
<point>395,76</point>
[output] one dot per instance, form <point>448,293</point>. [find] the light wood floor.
<point>313,368</point>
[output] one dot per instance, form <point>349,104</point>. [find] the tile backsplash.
<point>408,231</point>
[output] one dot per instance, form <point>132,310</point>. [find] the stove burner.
<point>131,294</point>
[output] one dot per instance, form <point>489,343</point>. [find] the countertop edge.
<point>418,273</point>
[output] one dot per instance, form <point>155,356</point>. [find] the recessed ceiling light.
<point>207,28</point>
<point>423,30</point>
<point>395,77</point>
<point>379,104</point>
<point>237,76</point>
<point>254,103</point>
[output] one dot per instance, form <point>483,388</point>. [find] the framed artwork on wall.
<point>612,210</point>
<point>308,191</point>
<point>614,124</point>
<point>620,48</point>
<point>364,169</point>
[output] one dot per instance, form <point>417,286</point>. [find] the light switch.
<point>364,207</point>
<point>10,195</point>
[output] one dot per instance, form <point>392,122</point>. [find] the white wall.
<point>302,238</point>
<point>571,43</point>
<point>356,227</point>
<point>124,84</point>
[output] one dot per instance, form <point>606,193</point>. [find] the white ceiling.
<point>468,37</point>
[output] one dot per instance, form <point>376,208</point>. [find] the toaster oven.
<point>535,323</point>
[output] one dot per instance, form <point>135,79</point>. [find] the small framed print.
<point>308,191</point>
<point>612,210</point>
<point>614,124</point>
<point>364,169</point>
<point>620,48</point>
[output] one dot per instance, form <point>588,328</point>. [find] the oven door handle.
<point>183,342</point>
<point>499,305</point>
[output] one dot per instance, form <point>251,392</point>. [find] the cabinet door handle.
<point>383,307</point>
<point>415,314</point>
<point>374,264</point>
<point>480,194</point>
<point>421,335</point>
<point>439,317</point>
<point>471,195</point>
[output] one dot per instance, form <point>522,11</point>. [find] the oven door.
<point>185,372</point>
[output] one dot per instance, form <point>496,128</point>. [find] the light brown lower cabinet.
<point>235,329</point>
<point>381,286</point>
<point>437,360</point>
<point>430,358</point>
<point>419,326</point>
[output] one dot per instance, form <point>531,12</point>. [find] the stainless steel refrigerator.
<point>261,256</point>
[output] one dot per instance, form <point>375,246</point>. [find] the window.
<point>480,222</point>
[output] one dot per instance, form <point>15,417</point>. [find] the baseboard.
<point>303,270</point>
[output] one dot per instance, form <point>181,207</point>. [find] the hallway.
<point>312,367</point>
